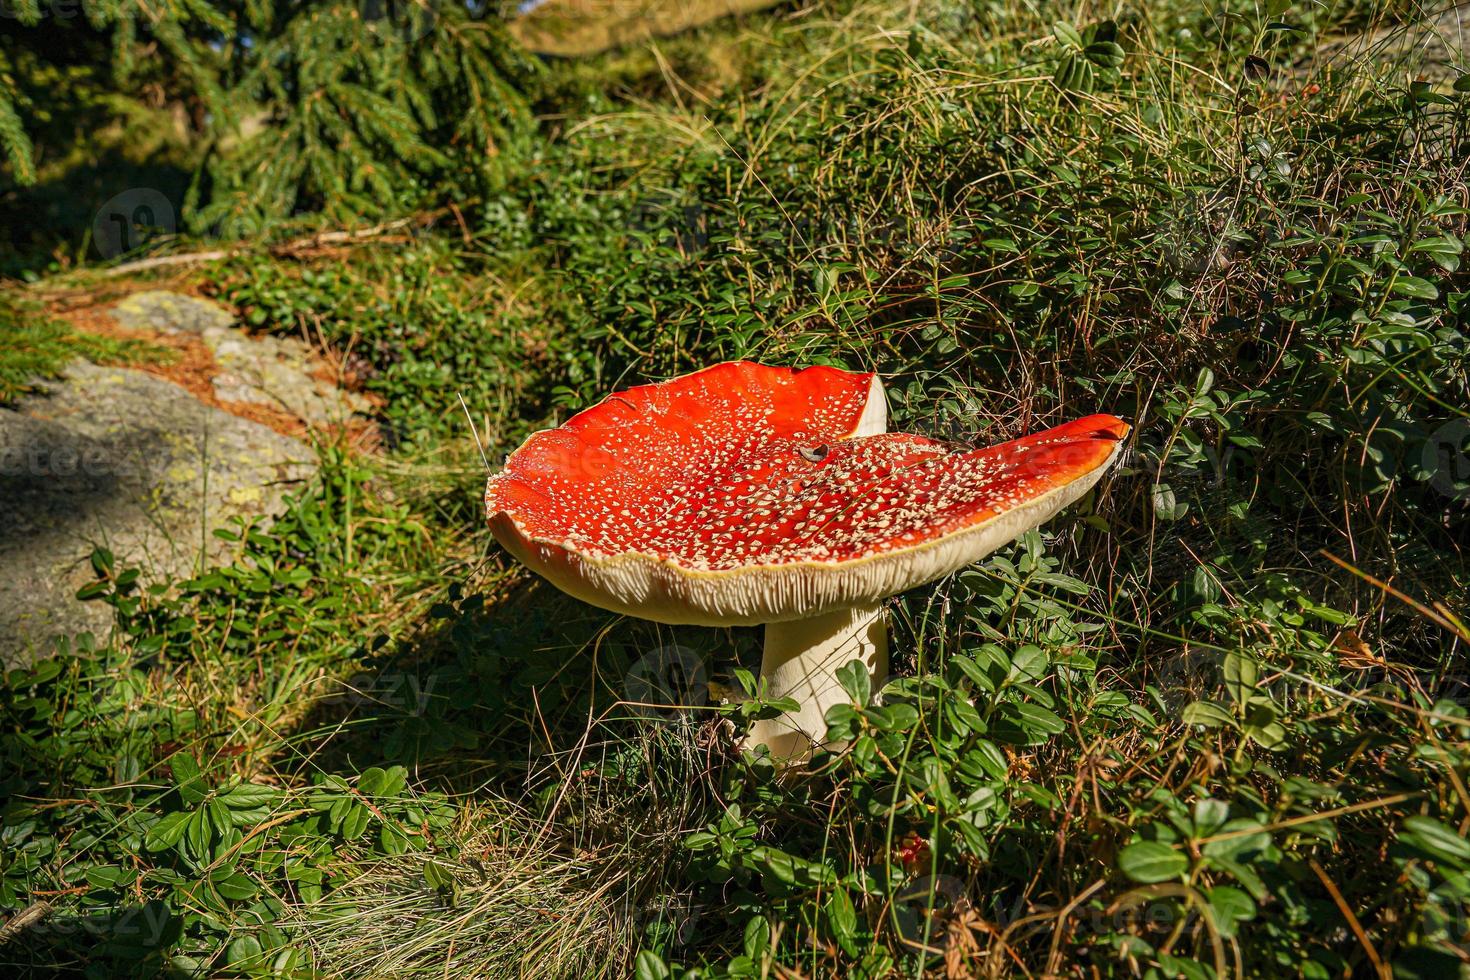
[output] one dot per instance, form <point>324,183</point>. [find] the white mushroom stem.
<point>802,655</point>
<point>801,661</point>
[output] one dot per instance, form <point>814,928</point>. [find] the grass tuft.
<point>1212,722</point>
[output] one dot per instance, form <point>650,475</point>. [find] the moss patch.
<point>37,347</point>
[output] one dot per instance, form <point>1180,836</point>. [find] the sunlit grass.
<point>1203,747</point>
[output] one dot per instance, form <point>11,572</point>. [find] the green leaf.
<point>991,759</point>
<point>287,962</point>
<point>42,672</point>
<point>853,676</point>
<point>1269,736</point>
<point>747,681</point>
<point>355,822</point>
<point>976,673</point>
<point>1244,874</point>
<point>91,591</point>
<point>370,782</point>
<point>1435,840</point>
<point>1167,506</point>
<point>1445,250</point>
<point>237,887</point>
<point>1029,663</point>
<point>1105,54</point>
<point>1205,585</point>
<point>1039,719</point>
<point>1185,968</point>
<point>102,561</point>
<point>840,718</point>
<point>1230,906</point>
<point>789,869</point>
<point>338,811</point>
<point>964,716</point>
<point>841,916</point>
<point>243,951</point>
<point>250,796</point>
<point>1039,795</point>
<point>1245,835</point>
<point>391,840</point>
<point>1207,714</point>
<point>219,817</point>
<point>1147,862</point>
<point>893,717</point>
<point>198,834</point>
<point>395,781</point>
<point>1415,287</point>
<point>1067,34</point>
<point>1209,816</point>
<point>187,778</point>
<point>781,705</point>
<point>650,966</point>
<point>111,876</point>
<point>1073,74</point>
<point>757,939</point>
<point>1241,676</point>
<point>1025,290</point>
<point>437,876</point>
<point>1026,724</point>
<point>168,831</point>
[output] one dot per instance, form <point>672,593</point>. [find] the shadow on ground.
<point>506,690</point>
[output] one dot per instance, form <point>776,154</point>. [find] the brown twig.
<point>1352,920</point>
<point>1053,959</point>
<point>295,247</point>
<point>1193,898</point>
<point>1440,616</point>
<point>32,914</point>
<point>1268,828</point>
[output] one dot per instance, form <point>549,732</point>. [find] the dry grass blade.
<point>502,910</point>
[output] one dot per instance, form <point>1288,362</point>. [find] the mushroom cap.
<point>744,494</point>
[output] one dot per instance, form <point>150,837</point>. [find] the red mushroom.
<point>744,494</point>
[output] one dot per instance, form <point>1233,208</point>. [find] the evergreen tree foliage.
<point>13,139</point>
<point>341,108</point>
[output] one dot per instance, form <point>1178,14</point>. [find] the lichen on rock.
<point>277,372</point>
<point>116,457</point>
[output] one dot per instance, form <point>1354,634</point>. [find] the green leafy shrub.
<point>419,331</point>
<point>1166,736</point>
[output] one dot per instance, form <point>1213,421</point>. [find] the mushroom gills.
<point>801,660</point>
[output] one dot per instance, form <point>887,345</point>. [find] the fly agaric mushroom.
<point>744,494</point>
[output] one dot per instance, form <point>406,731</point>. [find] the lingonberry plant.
<point>1211,721</point>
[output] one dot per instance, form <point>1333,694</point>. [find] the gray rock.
<point>1435,47</point>
<point>171,313</point>
<point>116,457</point>
<point>265,370</point>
